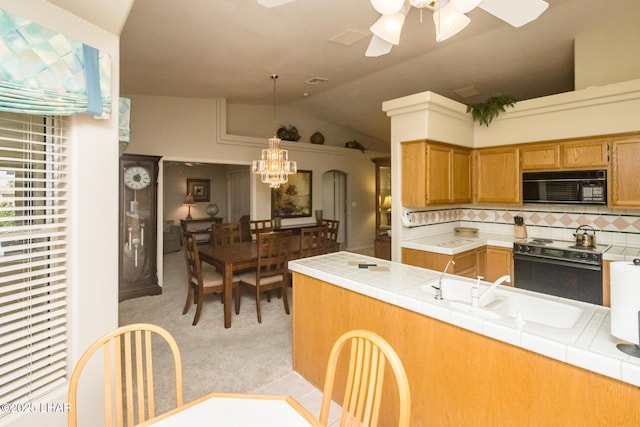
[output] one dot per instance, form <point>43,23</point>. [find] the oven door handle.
<point>545,260</point>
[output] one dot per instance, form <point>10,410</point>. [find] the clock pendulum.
<point>135,178</point>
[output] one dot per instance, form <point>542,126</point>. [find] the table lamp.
<point>188,200</point>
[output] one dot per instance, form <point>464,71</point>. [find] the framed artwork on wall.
<point>293,199</point>
<point>199,188</point>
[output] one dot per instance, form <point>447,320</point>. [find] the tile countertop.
<point>588,345</point>
<point>450,244</point>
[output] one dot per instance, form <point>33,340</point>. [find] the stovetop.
<point>562,244</point>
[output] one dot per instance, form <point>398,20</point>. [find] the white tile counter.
<point>588,344</point>
<point>621,253</point>
<point>450,244</point>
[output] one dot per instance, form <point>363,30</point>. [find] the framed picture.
<point>293,199</point>
<point>199,188</point>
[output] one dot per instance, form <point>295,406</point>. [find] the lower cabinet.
<point>490,262</point>
<point>499,262</point>
<point>466,263</point>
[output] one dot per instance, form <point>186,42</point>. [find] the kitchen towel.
<point>625,300</point>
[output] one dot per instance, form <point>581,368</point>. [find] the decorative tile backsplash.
<point>613,226</point>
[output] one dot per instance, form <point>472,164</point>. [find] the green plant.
<point>485,112</point>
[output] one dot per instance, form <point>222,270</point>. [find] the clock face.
<point>137,178</point>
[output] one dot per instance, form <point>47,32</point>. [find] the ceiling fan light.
<point>419,4</point>
<point>449,22</point>
<point>465,6</point>
<point>388,27</point>
<point>387,7</point>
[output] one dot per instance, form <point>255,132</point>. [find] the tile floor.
<point>304,392</point>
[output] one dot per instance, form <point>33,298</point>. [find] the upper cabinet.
<point>585,154</point>
<point>578,154</point>
<point>624,190</point>
<point>435,174</point>
<point>540,157</point>
<point>497,175</point>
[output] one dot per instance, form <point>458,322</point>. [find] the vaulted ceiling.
<point>229,48</point>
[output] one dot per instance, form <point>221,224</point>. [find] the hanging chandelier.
<point>274,167</point>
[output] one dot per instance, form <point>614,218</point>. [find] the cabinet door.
<point>540,157</point>
<point>497,175</point>
<point>584,154</point>
<point>499,263</point>
<point>461,176</point>
<point>438,174</point>
<point>624,190</point>
<point>414,168</point>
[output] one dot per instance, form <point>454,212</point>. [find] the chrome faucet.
<point>478,301</point>
<point>439,287</point>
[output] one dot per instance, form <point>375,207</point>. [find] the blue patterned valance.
<point>44,72</point>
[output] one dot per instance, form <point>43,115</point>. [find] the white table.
<point>237,410</point>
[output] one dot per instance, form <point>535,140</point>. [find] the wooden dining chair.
<point>313,241</point>
<point>202,278</point>
<point>260,226</point>
<point>128,374</point>
<point>369,354</point>
<point>332,234</point>
<point>271,271</point>
<point>224,233</point>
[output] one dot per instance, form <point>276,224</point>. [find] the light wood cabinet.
<point>624,190</point>
<point>499,261</point>
<point>435,174</point>
<point>466,263</point>
<point>540,157</point>
<point>461,176</point>
<point>578,154</point>
<point>584,154</point>
<point>497,175</point>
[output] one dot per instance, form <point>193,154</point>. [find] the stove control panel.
<point>584,257</point>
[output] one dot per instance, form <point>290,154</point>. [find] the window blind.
<point>33,216</point>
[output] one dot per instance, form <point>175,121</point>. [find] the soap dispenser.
<point>475,292</point>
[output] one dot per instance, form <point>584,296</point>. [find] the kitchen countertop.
<point>450,244</point>
<point>588,345</point>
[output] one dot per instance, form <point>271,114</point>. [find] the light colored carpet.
<point>214,359</point>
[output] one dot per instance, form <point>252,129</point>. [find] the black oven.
<point>559,269</point>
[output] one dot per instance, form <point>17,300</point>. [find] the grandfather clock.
<point>138,240</point>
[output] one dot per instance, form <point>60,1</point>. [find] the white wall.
<point>194,130</point>
<point>607,55</point>
<point>93,208</point>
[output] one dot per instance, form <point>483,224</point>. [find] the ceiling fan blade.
<point>273,3</point>
<point>378,47</point>
<point>515,12</point>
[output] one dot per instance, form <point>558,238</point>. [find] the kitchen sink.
<point>504,303</point>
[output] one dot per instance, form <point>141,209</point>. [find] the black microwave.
<point>572,187</point>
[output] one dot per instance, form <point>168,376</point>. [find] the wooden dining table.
<point>237,410</point>
<point>234,257</point>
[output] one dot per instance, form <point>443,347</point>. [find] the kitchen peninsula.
<point>463,369</point>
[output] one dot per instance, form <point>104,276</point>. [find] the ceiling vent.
<point>350,37</point>
<point>467,92</point>
<point>315,81</point>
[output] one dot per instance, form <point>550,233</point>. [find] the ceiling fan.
<point>448,16</point>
